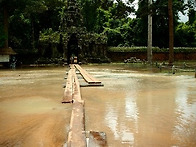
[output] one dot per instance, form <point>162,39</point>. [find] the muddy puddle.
<point>31,113</point>
<point>134,108</point>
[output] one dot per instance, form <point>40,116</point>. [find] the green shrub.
<point>49,36</point>
<point>154,49</point>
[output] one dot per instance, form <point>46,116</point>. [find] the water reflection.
<point>119,129</point>
<point>185,122</point>
<point>131,109</point>
<point>122,118</point>
<point>148,109</point>
<point>112,120</point>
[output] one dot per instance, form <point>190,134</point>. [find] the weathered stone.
<point>77,41</point>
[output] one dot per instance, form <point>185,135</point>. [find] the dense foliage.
<point>2,34</point>
<point>35,22</point>
<point>154,49</point>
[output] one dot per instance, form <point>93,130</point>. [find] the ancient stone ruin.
<point>87,47</point>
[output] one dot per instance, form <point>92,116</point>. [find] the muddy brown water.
<point>134,108</point>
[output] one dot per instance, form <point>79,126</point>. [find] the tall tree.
<point>33,9</point>
<point>5,23</point>
<point>149,48</point>
<point>8,7</point>
<point>191,6</point>
<point>160,21</point>
<point>171,33</point>
<point>141,31</point>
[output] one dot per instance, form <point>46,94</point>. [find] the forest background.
<point>34,22</point>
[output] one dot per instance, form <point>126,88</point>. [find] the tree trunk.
<point>33,33</point>
<point>5,17</point>
<point>149,50</point>
<point>171,33</point>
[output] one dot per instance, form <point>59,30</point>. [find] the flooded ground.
<point>31,113</point>
<point>134,108</point>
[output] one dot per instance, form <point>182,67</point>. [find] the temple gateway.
<point>77,42</point>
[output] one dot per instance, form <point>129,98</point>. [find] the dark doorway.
<point>72,48</point>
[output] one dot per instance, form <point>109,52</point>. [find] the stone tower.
<point>77,41</point>
<point>75,31</point>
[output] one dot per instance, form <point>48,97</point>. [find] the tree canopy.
<point>30,19</point>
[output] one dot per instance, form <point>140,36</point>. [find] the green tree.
<point>191,6</point>
<point>185,34</point>
<point>160,21</point>
<point>171,32</point>
<point>108,17</point>
<point>7,9</point>
<point>28,17</point>
<point>3,36</point>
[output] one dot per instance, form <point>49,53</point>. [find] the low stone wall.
<point>120,56</point>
